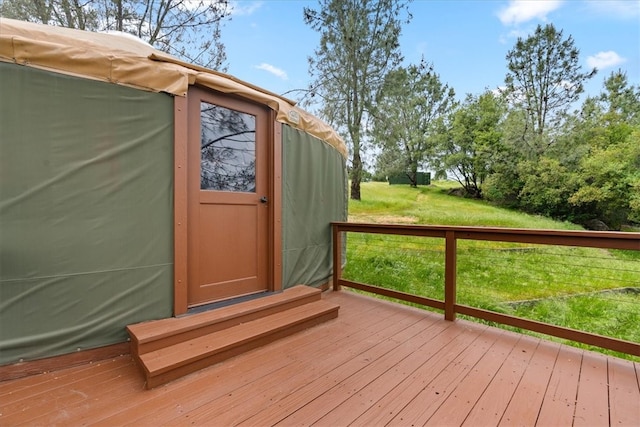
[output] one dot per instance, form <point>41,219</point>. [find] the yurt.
<point>135,187</point>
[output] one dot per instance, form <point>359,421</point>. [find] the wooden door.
<point>228,181</point>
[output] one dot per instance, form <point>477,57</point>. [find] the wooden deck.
<point>378,363</point>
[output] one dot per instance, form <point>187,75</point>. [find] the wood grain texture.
<point>378,363</point>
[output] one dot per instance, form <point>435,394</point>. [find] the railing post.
<point>337,257</point>
<point>450,275</point>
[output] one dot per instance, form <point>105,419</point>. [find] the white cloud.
<point>237,8</point>
<point>273,70</point>
<point>519,11</point>
<point>602,60</point>
<point>622,9</point>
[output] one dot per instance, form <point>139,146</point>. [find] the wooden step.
<point>167,349</point>
<point>154,335</point>
<point>166,364</point>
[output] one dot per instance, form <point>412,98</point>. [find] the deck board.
<point>452,343</point>
<point>303,396</point>
<point>371,390</point>
<point>65,392</point>
<point>346,357</point>
<point>558,405</point>
<point>378,363</point>
<point>11,391</point>
<point>592,403</point>
<point>623,387</point>
<point>524,406</point>
<point>490,407</point>
<point>455,409</point>
<point>424,405</point>
<point>340,386</point>
<point>230,375</point>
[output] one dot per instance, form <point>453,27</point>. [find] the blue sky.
<point>268,43</point>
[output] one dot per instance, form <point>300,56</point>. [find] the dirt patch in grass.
<point>383,219</point>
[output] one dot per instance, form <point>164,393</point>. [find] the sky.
<point>267,42</point>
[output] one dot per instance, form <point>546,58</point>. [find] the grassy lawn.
<point>559,285</point>
<point>382,202</point>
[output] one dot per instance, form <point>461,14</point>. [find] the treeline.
<point>585,170</point>
<point>530,145</point>
<point>535,144</point>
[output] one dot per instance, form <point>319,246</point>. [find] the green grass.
<point>492,275</point>
<point>618,313</point>
<point>432,205</point>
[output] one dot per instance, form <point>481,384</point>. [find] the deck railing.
<point>451,235</point>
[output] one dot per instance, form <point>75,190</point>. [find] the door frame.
<point>180,201</point>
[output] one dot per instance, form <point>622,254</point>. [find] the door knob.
<point>264,199</point>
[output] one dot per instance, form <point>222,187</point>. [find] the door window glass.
<point>228,149</point>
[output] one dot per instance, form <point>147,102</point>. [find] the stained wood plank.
<point>456,341</point>
<point>10,390</point>
<point>354,404</point>
<point>310,391</point>
<point>333,395</point>
<point>558,405</point>
<point>80,358</point>
<point>527,399</point>
<point>491,406</point>
<point>119,401</point>
<point>96,398</point>
<point>462,399</point>
<point>50,401</point>
<point>592,403</point>
<point>162,360</point>
<point>426,402</point>
<point>353,358</point>
<point>174,362</point>
<point>210,321</point>
<point>259,365</point>
<point>370,348</point>
<point>623,388</point>
<point>30,387</point>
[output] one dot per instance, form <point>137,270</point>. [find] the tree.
<point>591,172</point>
<point>610,182</point>
<point>547,185</point>
<point>620,101</point>
<point>358,47</point>
<point>473,142</point>
<point>544,80</point>
<point>608,176</point>
<point>408,113</point>
<point>173,26</point>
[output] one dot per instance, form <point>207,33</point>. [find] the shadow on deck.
<point>378,363</point>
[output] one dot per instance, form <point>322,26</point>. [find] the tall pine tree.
<point>358,47</point>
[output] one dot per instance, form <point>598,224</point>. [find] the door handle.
<point>264,199</point>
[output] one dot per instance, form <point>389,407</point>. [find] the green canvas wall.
<point>314,193</point>
<point>85,211</point>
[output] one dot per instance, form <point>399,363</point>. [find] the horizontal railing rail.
<point>451,235</point>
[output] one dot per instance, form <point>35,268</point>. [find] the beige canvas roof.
<point>127,61</point>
